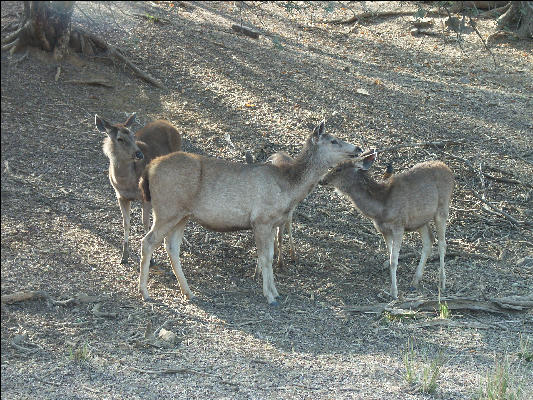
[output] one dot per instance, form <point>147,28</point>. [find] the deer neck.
<point>368,195</point>
<point>305,172</point>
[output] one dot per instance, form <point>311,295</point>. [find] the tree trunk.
<point>46,25</point>
<point>518,18</point>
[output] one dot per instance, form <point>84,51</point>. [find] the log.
<point>495,305</point>
<point>24,296</point>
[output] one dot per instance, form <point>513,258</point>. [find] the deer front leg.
<point>395,251</point>
<point>388,245</point>
<point>125,210</point>
<point>440,224</point>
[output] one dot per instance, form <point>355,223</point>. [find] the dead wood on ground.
<point>495,305</point>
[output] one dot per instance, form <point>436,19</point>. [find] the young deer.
<point>408,201</point>
<point>228,196</point>
<point>279,159</point>
<point>128,156</point>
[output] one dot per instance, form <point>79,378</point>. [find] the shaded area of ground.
<point>61,226</point>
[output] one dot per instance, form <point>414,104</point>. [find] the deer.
<point>281,158</point>
<point>223,195</point>
<point>407,201</point>
<point>128,156</point>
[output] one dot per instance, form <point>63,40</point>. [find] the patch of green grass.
<point>526,352</point>
<point>81,353</point>
<point>500,384</point>
<point>408,363</point>
<point>421,372</point>
<point>444,311</point>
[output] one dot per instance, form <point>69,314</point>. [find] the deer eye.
<point>334,142</point>
<point>120,140</point>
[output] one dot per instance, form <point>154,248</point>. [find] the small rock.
<point>167,336</point>
<point>525,262</point>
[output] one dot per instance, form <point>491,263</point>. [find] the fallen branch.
<point>92,82</point>
<point>495,305</point>
<point>506,180</point>
<point>245,31</point>
<point>449,253</point>
<point>24,296</point>
<point>501,212</point>
<point>115,52</point>
<point>81,298</point>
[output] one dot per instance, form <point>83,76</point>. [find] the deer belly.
<point>223,219</point>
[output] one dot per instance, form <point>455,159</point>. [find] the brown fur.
<point>407,201</point>
<point>224,196</point>
<point>121,147</point>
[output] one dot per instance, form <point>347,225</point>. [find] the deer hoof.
<point>274,304</point>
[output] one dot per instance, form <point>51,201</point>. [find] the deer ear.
<point>130,120</point>
<point>318,131</point>
<point>101,124</point>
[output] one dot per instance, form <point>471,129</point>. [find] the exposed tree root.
<point>71,40</point>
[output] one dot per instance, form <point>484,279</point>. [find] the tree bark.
<point>519,18</point>
<point>46,25</point>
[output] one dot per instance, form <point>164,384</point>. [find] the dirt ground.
<point>377,86</point>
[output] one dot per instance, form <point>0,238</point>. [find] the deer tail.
<point>144,186</point>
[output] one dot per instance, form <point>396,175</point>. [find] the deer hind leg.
<point>172,246</point>
<point>264,240</point>
<point>440,225</point>
<point>146,211</point>
<point>149,243</point>
<point>279,244</point>
<point>395,251</point>
<point>125,206</point>
<point>426,252</point>
<point>291,242</point>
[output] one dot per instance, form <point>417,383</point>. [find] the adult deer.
<point>128,156</point>
<point>228,196</point>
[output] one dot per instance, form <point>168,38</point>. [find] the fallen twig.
<point>499,211</point>
<point>92,82</point>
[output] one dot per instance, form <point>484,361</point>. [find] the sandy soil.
<point>377,86</point>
